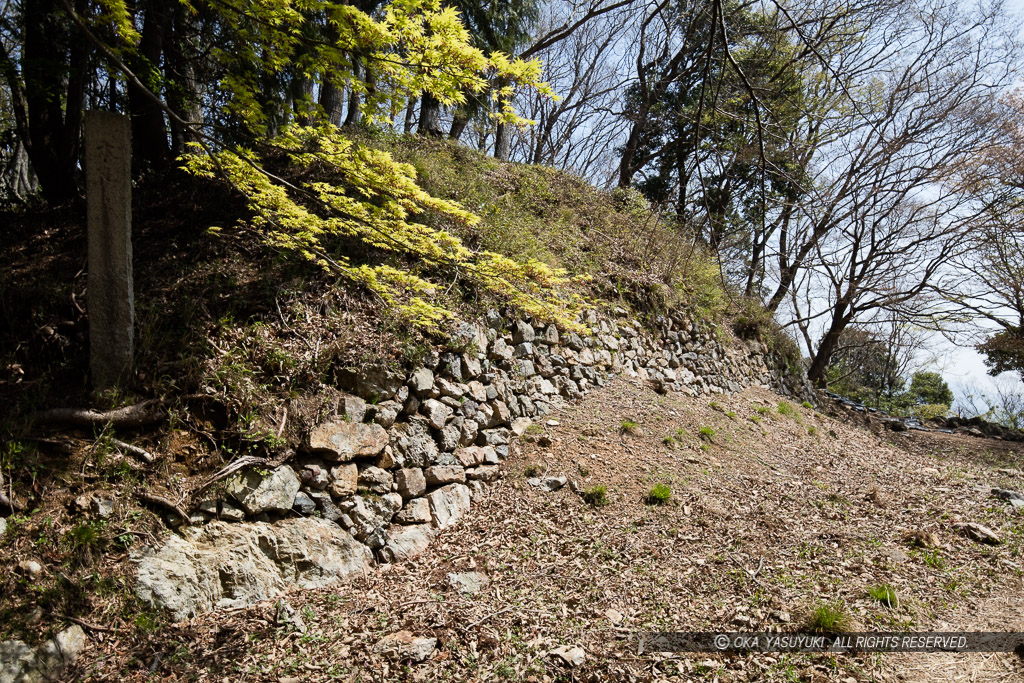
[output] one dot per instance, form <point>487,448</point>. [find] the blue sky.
<point>962,365</point>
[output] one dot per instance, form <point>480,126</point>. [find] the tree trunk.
<point>149,133</point>
<point>816,374</point>
<point>302,99</point>
<point>459,122</point>
<point>430,116</point>
<point>410,115</point>
<point>54,67</point>
<point>180,56</point>
<point>18,179</point>
<point>332,100</point>
<point>626,163</point>
<point>502,142</point>
<point>354,114</point>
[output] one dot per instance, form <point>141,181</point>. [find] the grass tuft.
<point>659,494</point>
<point>788,409</point>
<point>885,594</point>
<point>596,496</point>
<point>830,617</point>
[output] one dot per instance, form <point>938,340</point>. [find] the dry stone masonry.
<point>408,455</point>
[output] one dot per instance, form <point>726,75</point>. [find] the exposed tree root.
<point>136,416</point>
<point>165,503</point>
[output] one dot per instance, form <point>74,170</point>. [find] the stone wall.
<point>394,471</point>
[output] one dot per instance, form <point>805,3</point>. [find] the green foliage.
<point>612,242</point>
<point>531,470</point>
<point>716,128</point>
<point>596,496</point>
<point>628,426</point>
<point>707,434</point>
<point>702,287</point>
<point>807,404</point>
<point>751,321</point>
<point>328,193</point>
<point>371,200</point>
<point>410,48</point>
<point>885,594</point>
<point>830,617</point>
<point>788,409</point>
<point>929,411</point>
<point>933,559</point>
<point>865,368</point>
<point>929,388</point>
<point>1004,351</point>
<point>659,494</point>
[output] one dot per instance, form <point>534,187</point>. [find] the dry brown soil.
<point>771,515</point>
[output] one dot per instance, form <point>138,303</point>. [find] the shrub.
<point>659,494</point>
<point>628,426</point>
<point>707,433</point>
<point>531,471</point>
<point>929,411</point>
<point>596,496</point>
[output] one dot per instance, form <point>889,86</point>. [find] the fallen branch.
<point>85,624</point>
<point>130,417</point>
<point>489,616</point>
<point>165,503</point>
<point>227,470</point>
<point>140,453</point>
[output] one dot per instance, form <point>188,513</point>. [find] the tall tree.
<point>46,75</point>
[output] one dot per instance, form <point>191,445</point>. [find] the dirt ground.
<point>774,511</point>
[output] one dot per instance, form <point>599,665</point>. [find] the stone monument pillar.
<point>111,300</point>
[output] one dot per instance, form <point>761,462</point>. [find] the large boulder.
<point>414,446</point>
<point>49,662</point>
<point>405,543</point>
<point>448,504</point>
<point>421,381</point>
<point>371,383</point>
<point>436,413</point>
<point>342,441</point>
<point>260,491</point>
<point>343,480</point>
<point>223,565</point>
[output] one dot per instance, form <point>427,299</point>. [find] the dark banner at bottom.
<point>901,641</point>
